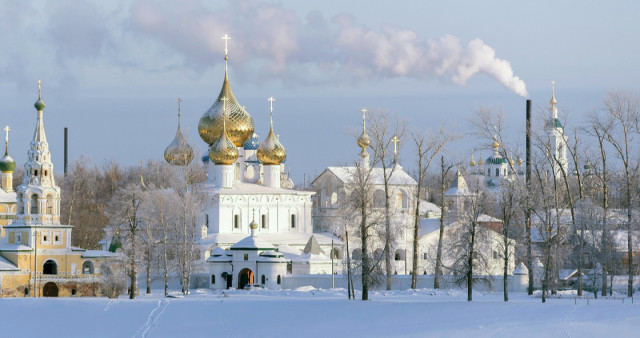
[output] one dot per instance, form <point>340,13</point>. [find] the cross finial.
<point>226,38</point>
<point>271,99</point>
<point>553,85</point>
<point>364,116</point>
<point>395,141</point>
<point>224,100</point>
<point>6,131</point>
<point>39,89</point>
<point>179,100</point>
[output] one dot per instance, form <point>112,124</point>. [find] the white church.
<point>257,228</point>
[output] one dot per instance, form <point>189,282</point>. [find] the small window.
<point>45,173</point>
<point>279,280</point>
<point>246,257</point>
<point>26,291</point>
<point>263,279</point>
<point>293,221</point>
<point>18,238</point>
<point>73,291</point>
<point>206,220</point>
<point>35,172</point>
<point>424,255</point>
<point>495,254</point>
<point>45,238</point>
<point>497,172</point>
<point>213,279</point>
<point>236,221</point>
<point>56,239</point>
<point>504,172</point>
<point>488,172</point>
<point>264,221</point>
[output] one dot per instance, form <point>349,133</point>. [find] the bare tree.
<point>624,113</point>
<point>126,211</point>
<point>426,149</point>
<point>385,136</point>
<point>444,171</point>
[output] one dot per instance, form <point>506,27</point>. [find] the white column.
<point>271,177</point>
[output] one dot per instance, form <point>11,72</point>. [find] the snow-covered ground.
<point>319,313</point>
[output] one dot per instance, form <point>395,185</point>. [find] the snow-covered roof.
<point>313,247</point>
<point>428,225</point>
<point>521,269</point>
<point>7,197</point>
<point>243,188</point>
<point>428,206</point>
<point>15,247</point>
<point>98,254</point>
<point>6,265</point>
<point>276,238</point>
<point>252,243</point>
<point>398,177</point>
<point>486,219</point>
<point>272,257</point>
<point>458,186</point>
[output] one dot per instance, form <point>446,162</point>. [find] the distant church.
<point>36,256</point>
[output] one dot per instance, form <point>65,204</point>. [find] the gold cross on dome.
<point>364,113</point>
<point>6,131</point>
<point>179,100</point>
<point>395,141</point>
<point>226,38</point>
<point>224,104</point>
<point>271,99</point>
<point>40,88</point>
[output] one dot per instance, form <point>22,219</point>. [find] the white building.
<point>247,186</point>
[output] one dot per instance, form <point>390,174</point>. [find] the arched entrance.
<point>50,290</point>
<point>244,277</point>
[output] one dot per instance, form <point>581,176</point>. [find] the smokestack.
<point>66,149</point>
<point>528,144</point>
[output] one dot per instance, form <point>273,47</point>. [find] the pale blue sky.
<point>111,70</point>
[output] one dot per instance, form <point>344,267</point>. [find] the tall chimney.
<point>528,144</point>
<point>66,152</point>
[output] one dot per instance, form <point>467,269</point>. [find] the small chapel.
<point>36,256</point>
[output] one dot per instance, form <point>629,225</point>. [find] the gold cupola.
<point>179,152</point>
<point>271,151</point>
<point>223,151</point>
<point>239,123</point>
<point>472,163</point>
<point>364,141</point>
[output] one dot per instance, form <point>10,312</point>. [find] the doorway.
<point>50,290</point>
<point>245,277</point>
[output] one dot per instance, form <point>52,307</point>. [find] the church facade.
<point>36,256</point>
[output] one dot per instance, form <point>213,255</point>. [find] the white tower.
<point>558,141</point>
<point>38,197</point>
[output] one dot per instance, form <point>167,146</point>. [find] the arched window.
<point>377,254</point>
<point>293,220</point>
<point>87,268</point>
<point>50,204</point>
<point>497,172</point>
<point>263,221</point>
<point>334,199</point>
<point>213,279</point>
<point>279,280</point>
<point>50,268</point>
<point>399,255</point>
<point>34,204</point>
<point>20,204</point>
<point>236,221</point>
<point>263,279</point>
<point>335,253</point>
<point>488,171</point>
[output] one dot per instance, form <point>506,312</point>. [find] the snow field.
<point>320,313</point>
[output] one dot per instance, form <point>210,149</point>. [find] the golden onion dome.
<point>519,160</point>
<point>223,151</point>
<point>480,162</point>
<point>495,144</point>
<point>364,141</point>
<point>239,123</point>
<point>271,151</point>
<point>179,152</point>
<point>472,163</point>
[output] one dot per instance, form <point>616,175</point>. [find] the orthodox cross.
<point>271,99</point>
<point>226,38</point>
<point>6,131</point>
<point>395,141</point>
<point>224,112</point>
<point>364,115</point>
<point>39,88</point>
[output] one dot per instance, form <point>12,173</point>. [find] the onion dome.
<point>495,144</point>
<point>271,151</point>
<point>179,152</point>
<point>223,151</point>
<point>253,225</point>
<point>39,104</point>
<point>480,162</point>
<point>519,160</point>
<point>473,162</point>
<point>7,164</point>
<point>253,143</point>
<point>239,123</point>
<point>364,141</point>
